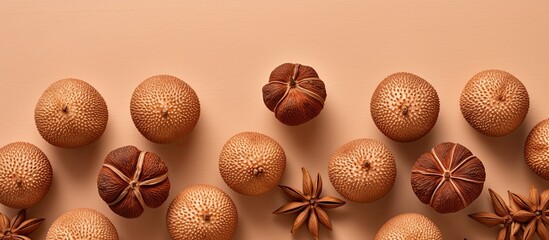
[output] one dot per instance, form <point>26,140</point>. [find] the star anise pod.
<point>18,228</point>
<point>534,212</point>
<point>503,215</point>
<point>309,204</point>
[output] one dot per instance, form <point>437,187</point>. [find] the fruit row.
<point>405,107</point>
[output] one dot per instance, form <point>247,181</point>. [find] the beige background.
<point>226,50</point>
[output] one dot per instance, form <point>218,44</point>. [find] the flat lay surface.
<point>226,50</point>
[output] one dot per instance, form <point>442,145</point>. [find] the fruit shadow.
<point>509,152</point>
<point>43,208</point>
<point>259,209</point>
<point>151,223</point>
<point>312,138</point>
<point>80,164</point>
<point>178,156</point>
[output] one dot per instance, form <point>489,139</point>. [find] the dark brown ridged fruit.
<point>202,212</point>
<point>409,226</point>
<point>164,109</point>
<point>25,175</point>
<point>363,170</point>
<point>294,93</point>
<point>131,179</point>
<point>448,178</point>
<point>82,223</point>
<point>252,163</point>
<point>404,107</point>
<point>536,149</point>
<point>71,114</point>
<point>494,102</point>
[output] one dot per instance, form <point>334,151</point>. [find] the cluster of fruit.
<point>405,107</point>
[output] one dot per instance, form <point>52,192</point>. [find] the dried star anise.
<point>504,215</point>
<point>18,228</point>
<point>534,213</point>
<point>309,204</point>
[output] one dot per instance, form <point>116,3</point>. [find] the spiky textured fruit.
<point>164,108</point>
<point>82,223</point>
<point>71,113</point>
<point>404,107</point>
<point>409,226</point>
<point>252,163</point>
<point>202,212</point>
<point>25,175</point>
<point>494,102</point>
<point>536,149</point>
<point>362,170</point>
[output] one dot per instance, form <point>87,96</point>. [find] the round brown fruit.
<point>71,114</point>
<point>448,178</point>
<point>409,226</point>
<point>82,223</point>
<point>294,93</point>
<point>25,175</point>
<point>252,163</point>
<point>404,107</point>
<point>131,179</point>
<point>494,102</point>
<point>362,170</point>
<point>202,212</point>
<point>536,150</point>
<point>164,109</point>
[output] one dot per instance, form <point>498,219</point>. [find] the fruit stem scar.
<point>133,184</point>
<point>367,165</point>
<point>447,175</point>
<point>405,110</point>
<point>256,171</point>
<point>164,112</point>
<point>65,109</point>
<point>294,75</point>
<point>206,216</point>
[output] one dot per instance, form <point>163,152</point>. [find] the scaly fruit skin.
<point>404,107</point>
<point>202,212</point>
<point>362,170</point>
<point>494,103</point>
<point>131,179</point>
<point>25,175</point>
<point>294,93</point>
<point>409,226</point>
<point>536,149</point>
<point>71,114</point>
<point>82,223</point>
<point>252,163</point>
<point>164,109</point>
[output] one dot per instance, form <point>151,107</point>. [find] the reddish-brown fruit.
<point>294,93</point>
<point>252,163</point>
<point>131,179</point>
<point>164,109</point>
<point>25,175</point>
<point>82,223</point>
<point>448,178</point>
<point>409,226</point>
<point>494,102</point>
<point>71,114</point>
<point>404,107</point>
<point>202,212</point>
<point>362,170</point>
<point>536,149</point>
